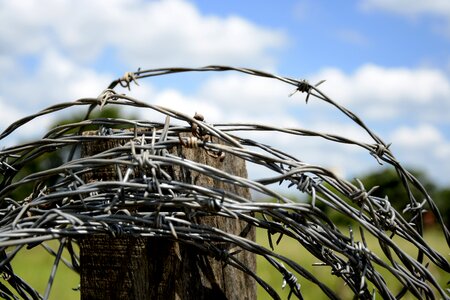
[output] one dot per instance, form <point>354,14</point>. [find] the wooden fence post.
<point>156,268</point>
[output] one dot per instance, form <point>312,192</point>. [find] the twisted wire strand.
<point>144,199</point>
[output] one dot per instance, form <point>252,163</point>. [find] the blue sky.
<point>388,61</point>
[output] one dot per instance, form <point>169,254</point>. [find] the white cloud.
<point>57,79</point>
<point>421,139</point>
<point>423,146</point>
<point>410,7</point>
<point>143,33</point>
<point>230,97</point>
<point>347,130</point>
<point>414,9</point>
<point>387,93</point>
<point>421,136</point>
<point>189,105</point>
<point>65,41</point>
<point>249,95</point>
<point>68,80</point>
<point>8,113</point>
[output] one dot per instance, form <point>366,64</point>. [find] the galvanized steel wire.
<point>64,207</point>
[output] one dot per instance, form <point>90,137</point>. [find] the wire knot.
<point>202,137</point>
<point>361,195</point>
<point>197,130</point>
<point>305,184</point>
<point>116,230</point>
<point>126,80</point>
<point>379,151</point>
<point>151,187</point>
<point>386,213</point>
<point>303,86</point>
<point>159,221</point>
<point>292,280</point>
<point>105,131</point>
<point>213,205</point>
<point>414,207</point>
<point>190,142</point>
<point>105,96</point>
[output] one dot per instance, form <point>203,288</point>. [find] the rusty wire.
<point>63,207</point>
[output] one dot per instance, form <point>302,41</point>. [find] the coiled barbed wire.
<point>64,207</point>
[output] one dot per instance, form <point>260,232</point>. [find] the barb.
<point>146,200</point>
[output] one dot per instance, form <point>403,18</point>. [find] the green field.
<point>35,266</point>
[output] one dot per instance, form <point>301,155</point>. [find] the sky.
<point>387,61</point>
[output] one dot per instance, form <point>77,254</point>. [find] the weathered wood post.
<point>156,268</point>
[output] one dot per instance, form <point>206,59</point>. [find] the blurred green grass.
<point>292,249</point>
<point>35,265</point>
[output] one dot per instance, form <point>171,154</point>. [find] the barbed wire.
<point>63,206</point>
